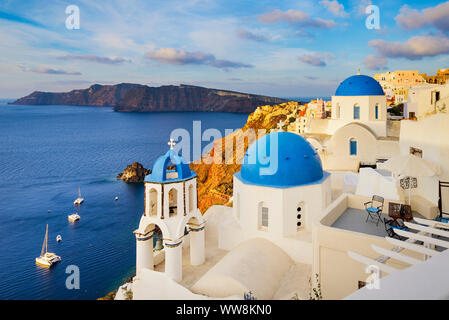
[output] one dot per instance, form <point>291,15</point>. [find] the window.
<point>153,202</point>
<point>356,112</point>
<point>300,216</point>
<point>263,217</point>
<point>173,202</point>
<point>411,115</point>
<point>353,147</point>
<point>191,204</point>
<point>416,152</point>
<point>337,111</point>
<point>377,112</point>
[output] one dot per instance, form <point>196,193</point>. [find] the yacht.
<point>58,238</point>
<point>80,199</point>
<point>74,217</point>
<point>47,259</point>
<point>116,198</point>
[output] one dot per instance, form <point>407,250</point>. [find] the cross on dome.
<point>172,144</point>
<point>280,125</point>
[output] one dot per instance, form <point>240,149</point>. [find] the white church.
<point>284,226</point>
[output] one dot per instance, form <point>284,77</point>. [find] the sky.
<point>278,48</point>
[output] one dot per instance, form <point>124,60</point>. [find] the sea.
<point>46,154</point>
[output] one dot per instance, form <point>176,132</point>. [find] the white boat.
<point>74,217</point>
<point>47,259</point>
<point>80,199</point>
<point>116,198</point>
<point>58,238</point>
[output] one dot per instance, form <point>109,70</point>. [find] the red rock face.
<point>139,98</point>
<point>215,181</point>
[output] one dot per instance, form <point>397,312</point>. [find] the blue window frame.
<point>353,147</point>
<point>377,112</point>
<point>356,112</point>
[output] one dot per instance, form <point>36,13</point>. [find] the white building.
<point>358,131</point>
<point>171,205</point>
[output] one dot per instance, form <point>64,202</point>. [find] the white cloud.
<point>181,57</point>
<point>374,62</point>
<point>335,7</point>
<point>414,49</point>
<point>296,18</point>
<point>437,17</point>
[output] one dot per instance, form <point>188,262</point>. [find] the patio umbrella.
<point>410,166</point>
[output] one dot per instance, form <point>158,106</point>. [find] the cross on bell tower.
<point>172,144</point>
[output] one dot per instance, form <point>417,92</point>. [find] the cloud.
<point>46,70</point>
<point>414,49</point>
<point>317,59</point>
<point>96,59</point>
<point>311,77</point>
<point>335,7</point>
<point>181,57</point>
<point>296,18</point>
<point>248,35</point>
<point>374,62</point>
<point>437,17</point>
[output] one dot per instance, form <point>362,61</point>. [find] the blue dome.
<point>297,162</point>
<point>359,85</point>
<point>160,173</point>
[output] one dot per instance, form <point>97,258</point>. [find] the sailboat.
<point>47,259</point>
<point>74,217</point>
<point>80,199</point>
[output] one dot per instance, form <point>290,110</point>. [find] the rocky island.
<point>128,97</point>
<point>134,173</point>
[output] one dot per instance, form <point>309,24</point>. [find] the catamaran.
<point>80,199</point>
<point>47,259</point>
<point>74,217</point>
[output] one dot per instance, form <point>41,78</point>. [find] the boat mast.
<point>44,245</point>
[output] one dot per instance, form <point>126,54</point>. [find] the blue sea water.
<point>46,152</point>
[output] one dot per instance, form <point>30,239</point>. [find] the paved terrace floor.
<point>354,220</point>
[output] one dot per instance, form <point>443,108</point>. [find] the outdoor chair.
<point>391,225</point>
<point>374,209</point>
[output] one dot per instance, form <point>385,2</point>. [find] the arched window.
<point>153,202</point>
<point>353,147</point>
<point>191,199</point>
<point>376,111</point>
<point>356,112</point>
<point>173,202</point>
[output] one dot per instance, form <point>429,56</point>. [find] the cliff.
<point>140,98</point>
<point>215,180</point>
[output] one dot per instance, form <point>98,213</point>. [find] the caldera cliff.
<point>130,97</point>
